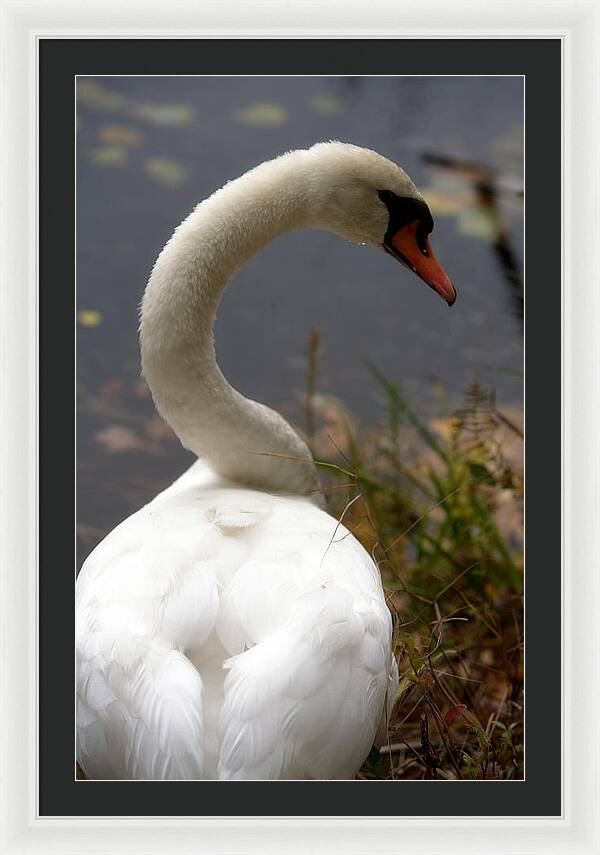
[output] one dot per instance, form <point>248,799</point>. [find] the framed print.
<point>411,566</point>
<point>442,521</point>
<point>441,524</point>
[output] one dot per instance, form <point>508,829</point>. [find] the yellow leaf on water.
<point>167,115</point>
<point>165,171</point>
<point>98,96</point>
<point>118,438</point>
<point>119,135</point>
<point>262,113</point>
<point>109,155</point>
<point>89,317</point>
<point>327,103</point>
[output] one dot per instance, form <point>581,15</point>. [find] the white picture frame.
<point>577,24</point>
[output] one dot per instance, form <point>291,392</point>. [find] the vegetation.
<point>438,503</point>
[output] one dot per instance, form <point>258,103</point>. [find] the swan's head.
<point>366,198</point>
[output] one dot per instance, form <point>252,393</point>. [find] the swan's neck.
<point>241,440</point>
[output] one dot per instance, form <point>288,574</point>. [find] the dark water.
<point>150,148</point>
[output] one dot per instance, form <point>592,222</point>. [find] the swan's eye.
<point>422,241</point>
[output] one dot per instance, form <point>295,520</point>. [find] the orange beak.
<point>411,246</point>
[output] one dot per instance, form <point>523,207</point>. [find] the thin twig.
<point>339,522</point>
<point>338,449</point>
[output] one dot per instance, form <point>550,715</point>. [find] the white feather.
<point>299,625</point>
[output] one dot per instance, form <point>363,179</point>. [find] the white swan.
<point>222,631</point>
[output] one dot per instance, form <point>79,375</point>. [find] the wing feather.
<point>309,696</point>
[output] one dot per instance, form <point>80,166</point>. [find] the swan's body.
<point>231,628</point>
<point>203,573</point>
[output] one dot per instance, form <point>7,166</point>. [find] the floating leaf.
<point>97,96</point>
<point>109,155</point>
<point>119,135</point>
<point>165,171</point>
<point>453,713</point>
<point>112,386</point>
<point>89,317</point>
<point>165,115</point>
<point>90,532</point>
<point>327,103</point>
<point>262,113</point>
<point>118,438</point>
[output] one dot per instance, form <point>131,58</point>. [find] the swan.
<point>231,629</point>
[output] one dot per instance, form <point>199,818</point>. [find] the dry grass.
<point>438,503</point>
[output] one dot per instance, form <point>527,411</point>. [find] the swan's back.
<point>224,632</point>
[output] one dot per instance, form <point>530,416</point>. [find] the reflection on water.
<point>485,184</point>
<point>150,148</point>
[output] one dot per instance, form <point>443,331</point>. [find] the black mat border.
<point>540,61</point>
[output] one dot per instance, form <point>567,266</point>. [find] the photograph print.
<point>300,373</point>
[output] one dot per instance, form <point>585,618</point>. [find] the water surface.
<point>150,148</point>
